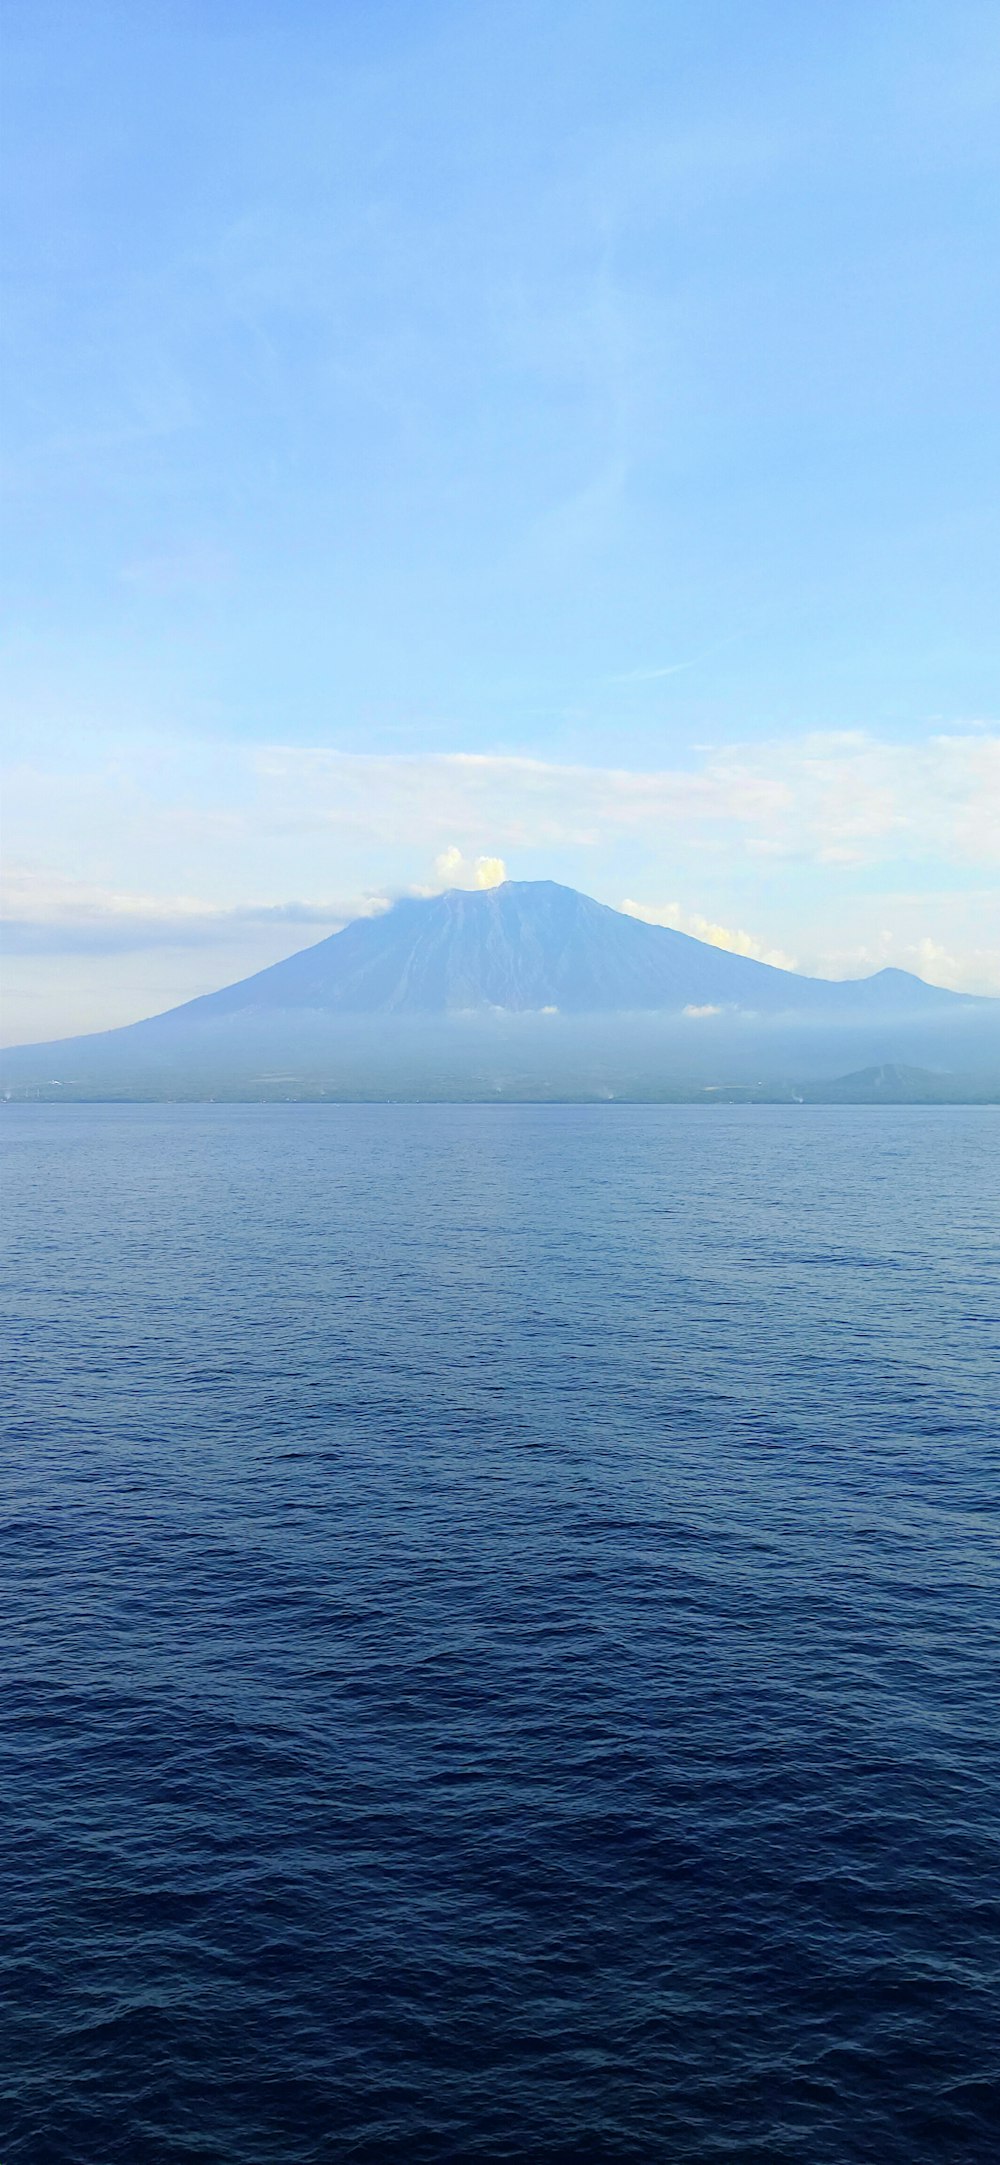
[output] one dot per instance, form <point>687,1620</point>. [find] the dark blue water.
<point>499,1633</point>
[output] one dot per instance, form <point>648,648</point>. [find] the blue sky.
<point>564,435</point>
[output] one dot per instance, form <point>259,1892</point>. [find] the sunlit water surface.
<point>500,1635</point>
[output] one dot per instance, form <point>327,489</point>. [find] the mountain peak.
<point>535,945</point>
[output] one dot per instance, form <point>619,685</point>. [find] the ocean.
<point>500,1635</point>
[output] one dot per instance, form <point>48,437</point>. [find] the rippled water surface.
<point>499,1635</point>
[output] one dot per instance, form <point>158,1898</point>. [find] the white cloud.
<point>451,869</point>
<point>702,928</point>
<point>46,913</point>
<point>837,800</point>
<point>841,799</point>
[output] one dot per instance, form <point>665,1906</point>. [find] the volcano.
<point>520,951</point>
<point>531,945</point>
